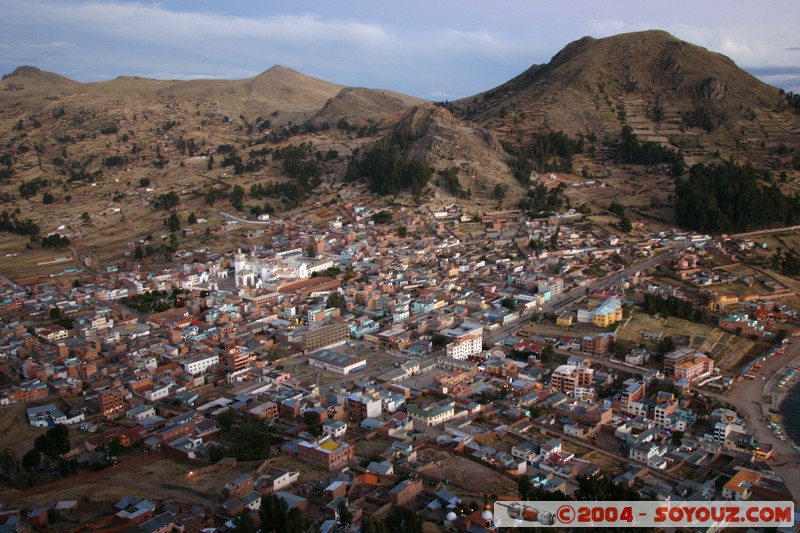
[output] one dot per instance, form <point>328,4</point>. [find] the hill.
<point>468,162</point>
<point>361,107</point>
<point>665,89</point>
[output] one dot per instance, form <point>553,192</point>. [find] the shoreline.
<point>755,398</point>
<point>792,386</point>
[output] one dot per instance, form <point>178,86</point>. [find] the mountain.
<point>27,77</point>
<point>361,107</point>
<point>468,161</point>
<point>667,90</point>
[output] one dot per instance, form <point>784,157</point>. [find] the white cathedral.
<point>252,271</point>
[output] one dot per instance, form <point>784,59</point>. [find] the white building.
<point>338,363</point>
<point>335,428</point>
<point>140,412</point>
<point>467,340</point>
<point>432,415</point>
<point>199,365</point>
<point>252,271</point>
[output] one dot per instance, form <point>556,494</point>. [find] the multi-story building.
<point>325,335</point>
<point>362,406</point>
<point>609,312</point>
<point>326,453</point>
<point>466,340</point>
<point>633,392</point>
<point>696,368</point>
<point>432,415</point>
<point>663,411</point>
<point>566,378</point>
<point>597,344</point>
<point>740,486</point>
<point>337,362</point>
<point>198,365</point>
<point>111,401</point>
<point>237,359</point>
<point>672,359</point>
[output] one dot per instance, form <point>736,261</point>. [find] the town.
<point>392,359</point>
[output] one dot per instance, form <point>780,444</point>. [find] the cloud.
<point>604,28</point>
<point>443,52</point>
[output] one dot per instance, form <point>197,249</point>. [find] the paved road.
<point>227,216</point>
<point>567,298</point>
<point>745,397</point>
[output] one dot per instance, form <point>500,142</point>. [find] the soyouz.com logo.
<point>643,514</point>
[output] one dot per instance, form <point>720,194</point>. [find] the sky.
<point>433,49</point>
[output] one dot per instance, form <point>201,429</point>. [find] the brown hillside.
<point>664,88</point>
<point>360,107</point>
<point>32,78</point>
<point>444,142</point>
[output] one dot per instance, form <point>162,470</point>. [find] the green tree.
<point>547,353</point>
<point>402,232</point>
<point>402,520</point>
<point>243,523</point>
<point>276,516</point>
<point>311,250</point>
<point>226,419</point>
<point>625,225</point>
<point>237,197</point>
<point>138,253</point>
<point>509,303</point>
<point>32,459</point>
<point>192,218</point>
<point>48,198</point>
<point>345,516</point>
<point>335,300</point>
<point>173,222</point>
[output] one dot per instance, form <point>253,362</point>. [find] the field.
<point>671,327</point>
<point>470,476</point>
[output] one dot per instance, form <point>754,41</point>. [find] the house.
<point>334,428</point>
<point>526,451</point>
<point>279,480</point>
<point>382,468</point>
<point>740,486</point>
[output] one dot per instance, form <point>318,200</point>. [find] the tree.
<point>547,353</point>
<point>243,523</point>
<point>402,232</point>
<point>370,525</point>
<point>48,198</point>
<point>173,222</point>
<point>499,192</point>
<point>237,197</point>
<point>402,520</point>
<point>509,303</point>
<point>311,420</point>
<point>226,419</point>
<point>335,300</point>
<point>210,161</point>
<point>138,253</point>
<point>625,225</point>
<point>666,345</point>
<point>345,516</point>
<point>382,217</point>
<point>311,250</point>
<point>32,459</point>
<point>276,517</point>
<point>192,218</point>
